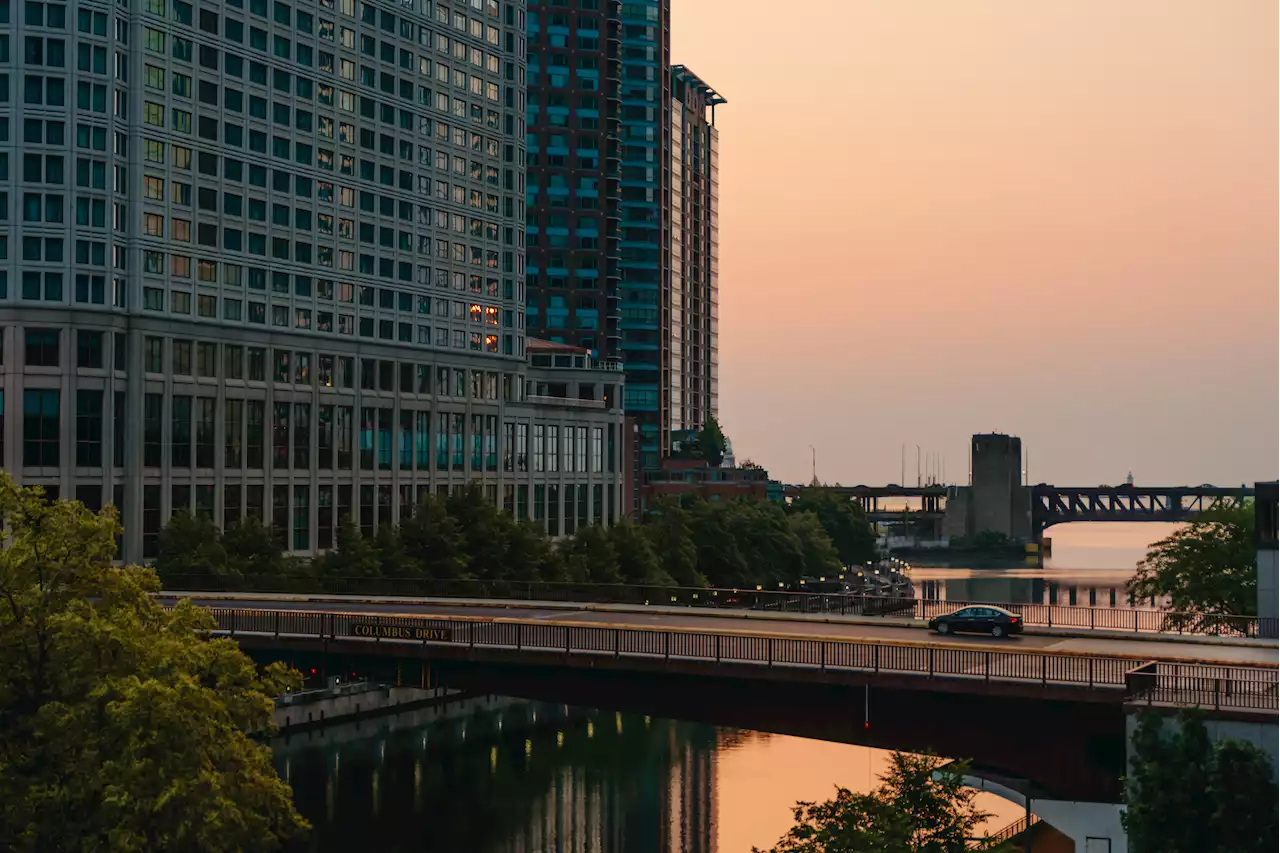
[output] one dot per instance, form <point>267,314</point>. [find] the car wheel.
<point>944,628</point>
<point>997,630</point>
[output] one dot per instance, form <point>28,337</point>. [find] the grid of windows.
<point>316,233</point>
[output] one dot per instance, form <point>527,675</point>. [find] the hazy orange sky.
<point>1056,219</point>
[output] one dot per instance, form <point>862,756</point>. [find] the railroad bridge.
<point>998,501</point>
<point>1052,505</point>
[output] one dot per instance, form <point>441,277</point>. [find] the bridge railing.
<point>1208,686</point>
<point>667,645</point>
<point>1010,832</point>
<point>1140,620</point>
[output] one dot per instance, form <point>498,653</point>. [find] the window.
<point>152,429</point>
<point>180,439</point>
<point>40,427</point>
<point>88,349</point>
<point>89,428</point>
<point>42,348</point>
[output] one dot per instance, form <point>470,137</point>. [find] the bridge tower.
<point>998,499</point>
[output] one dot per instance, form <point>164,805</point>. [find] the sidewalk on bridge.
<point>725,613</point>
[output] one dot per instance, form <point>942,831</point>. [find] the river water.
<point>497,775</point>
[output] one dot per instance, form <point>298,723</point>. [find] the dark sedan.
<point>986,619</point>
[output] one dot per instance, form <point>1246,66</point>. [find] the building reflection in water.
<point>490,775</point>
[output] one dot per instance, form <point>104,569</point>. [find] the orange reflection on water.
<point>759,777</point>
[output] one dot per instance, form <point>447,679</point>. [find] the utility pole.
<point>917,466</point>
<point>815,464</point>
<point>903,475</point>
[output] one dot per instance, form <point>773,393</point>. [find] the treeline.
<point>465,537</point>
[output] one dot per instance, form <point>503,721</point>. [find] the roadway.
<point>1137,647</point>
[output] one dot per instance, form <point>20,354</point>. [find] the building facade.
<point>268,259</point>
<point>623,193</point>
<point>695,237</point>
<point>573,117</point>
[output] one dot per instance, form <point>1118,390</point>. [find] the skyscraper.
<point>644,220</point>
<point>694,268</point>
<point>621,218</point>
<point>266,258</point>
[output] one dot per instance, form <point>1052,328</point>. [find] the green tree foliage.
<point>589,557</point>
<point>1207,567</point>
<point>820,558</point>
<point>637,562</point>
<point>669,532</point>
<point>696,543</point>
<point>355,556</point>
<point>711,442</point>
<point>253,549</point>
<point>1186,794</point>
<point>919,807</point>
<point>531,555</point>
<point>707,444</point>
<point>434,540</point>
<point>122,728</point>
<point>844,521</point>
<point>485,531</point>
<point>191,545</point>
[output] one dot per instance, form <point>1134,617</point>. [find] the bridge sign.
<point>401,632</point>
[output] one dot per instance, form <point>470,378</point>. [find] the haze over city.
<point>1055,219</point>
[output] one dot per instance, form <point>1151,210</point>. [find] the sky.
<point>1054,219</point>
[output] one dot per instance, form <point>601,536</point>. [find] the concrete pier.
<point>338,702</point>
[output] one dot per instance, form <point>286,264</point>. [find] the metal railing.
<point>1010,832</point>
<point>1207,686</point>
<point>810,654</point>
<point>1138,620</point>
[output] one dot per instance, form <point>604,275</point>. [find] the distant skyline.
<point>1056,220</point>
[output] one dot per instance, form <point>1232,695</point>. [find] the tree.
<point>190,545</point>
<point>355,557</point>
<point>711,442</point>
<point>637,562</point>
<point>122,727</point>
<point>485,530</point>
<point>253,549</point>
<point>819,552</point>
<point>589,557</point>
<point>434,540</point>
<point>1207,567</point>
<point>530,554</point>
<point>1186,794</point>
<point>919,807</point>
<point>721,556</point>
<point>668,528</point>
<point>844,521</point>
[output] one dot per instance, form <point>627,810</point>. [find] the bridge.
<point>996,500</point>
<point>1052,505</point>
<point>884,685</point>
<point>1073,665</point>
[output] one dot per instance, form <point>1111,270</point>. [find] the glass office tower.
<point>267,258</point>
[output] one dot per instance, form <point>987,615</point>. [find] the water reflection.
<point>494,775</point>
<point>500,775</point>
<point>1089,567</point>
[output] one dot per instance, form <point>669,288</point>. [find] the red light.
<point>866,725</point>
<point>313,670</point>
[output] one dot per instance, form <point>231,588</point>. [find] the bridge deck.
<point>1135,647</point>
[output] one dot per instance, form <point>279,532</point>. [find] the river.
<point>496,775</point>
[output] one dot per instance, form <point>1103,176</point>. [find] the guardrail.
<point>1203,686</point>
<point>1011,831</point>
<point>1138,620</point>
<point>926,661</point>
